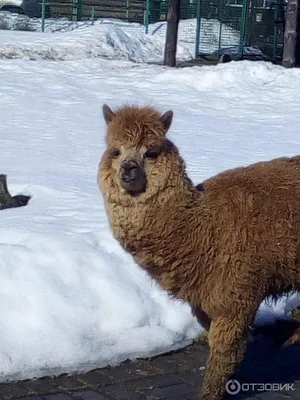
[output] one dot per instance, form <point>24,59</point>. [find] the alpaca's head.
<point>139,161</point>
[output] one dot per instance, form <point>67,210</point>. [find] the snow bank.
<point>154,44</point>
<point>100,40</point>
<point>238,75</point>
<point>73,301</point>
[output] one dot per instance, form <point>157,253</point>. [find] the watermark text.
<point>234,387</point>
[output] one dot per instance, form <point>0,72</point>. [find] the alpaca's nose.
<point>130,170</point>
<point>132,177</point>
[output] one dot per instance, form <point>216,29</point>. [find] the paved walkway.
<point>172,377</point>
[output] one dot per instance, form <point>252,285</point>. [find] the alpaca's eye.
<point>115,152</point>
<point>152,153</point>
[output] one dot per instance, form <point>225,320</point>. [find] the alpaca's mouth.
<point>134,187</point>
<point>132,177</point>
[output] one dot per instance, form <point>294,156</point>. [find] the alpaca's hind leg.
<point>227,340</point>
<point>293,339</point>
<point>295,335</point>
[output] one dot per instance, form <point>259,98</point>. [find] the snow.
<point>99,40</point>
<point>70,298</point>
<point>114,34</point>
<point>105,38</point>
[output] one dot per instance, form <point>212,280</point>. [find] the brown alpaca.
<point>223,248</point>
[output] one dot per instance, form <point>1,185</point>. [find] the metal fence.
<point>246,28</point>
<point>243,28</point>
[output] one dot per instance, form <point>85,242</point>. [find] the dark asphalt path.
<point>172,376</point>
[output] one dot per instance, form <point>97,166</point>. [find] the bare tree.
<point>290,34</point>
<point>172,33</point>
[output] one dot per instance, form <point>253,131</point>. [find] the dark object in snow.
<point>225,58</point>
<point>6,200</point>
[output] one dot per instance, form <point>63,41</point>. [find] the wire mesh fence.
<point>243,28</point>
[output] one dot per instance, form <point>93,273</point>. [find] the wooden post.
<point>290,34</point>
<point>172,33</point>
<point>297,63</point>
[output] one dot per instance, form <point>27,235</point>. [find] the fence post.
<point>43,14</point>
<point>74,11</point>
<point>172,33</point>
<point>220,31</point>
<point>243,27</point>
<point>198,28</point>
<point>146,16</point>
<point>275,31</point>
<point>79,10</point>
<point>93,15</point>
<point>127,10</point>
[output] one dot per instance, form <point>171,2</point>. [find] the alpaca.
<point>223,247</point>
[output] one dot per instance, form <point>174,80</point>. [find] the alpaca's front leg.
<point>227,339</point>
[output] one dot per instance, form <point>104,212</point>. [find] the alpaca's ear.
<point>166,120</point>
<point>107,113</point>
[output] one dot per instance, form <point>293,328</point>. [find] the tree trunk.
<point>290,34</point>
<point>297,64</point>
<point>172,33</point>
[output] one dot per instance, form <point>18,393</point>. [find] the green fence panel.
<point>243,28</point>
